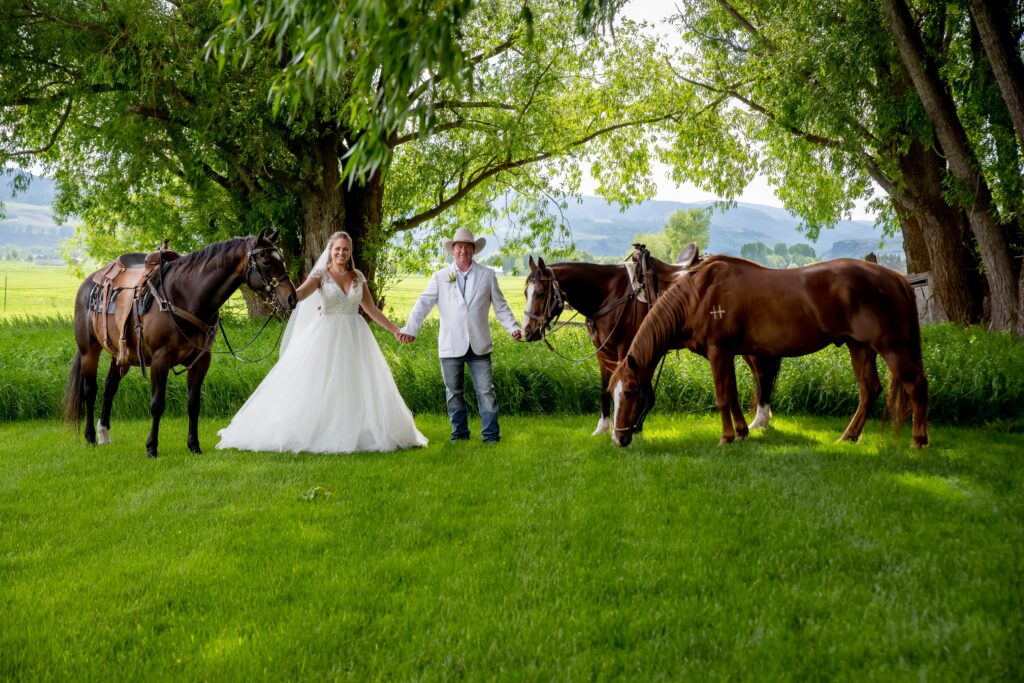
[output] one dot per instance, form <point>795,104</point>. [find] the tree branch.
<point>489,172</point>
<point>54,134</point>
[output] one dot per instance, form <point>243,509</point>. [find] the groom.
<point>464,293</point>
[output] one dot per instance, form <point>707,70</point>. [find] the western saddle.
<point>118,290</point>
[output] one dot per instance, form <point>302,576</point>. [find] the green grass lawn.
<point>552,556</point>
<point>49,291</point>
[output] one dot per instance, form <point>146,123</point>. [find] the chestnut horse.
<point>727,306</point>
<point>177,329</point>
<point>606,296</point>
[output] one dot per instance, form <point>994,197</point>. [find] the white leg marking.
<point>602,426</point>
<point>764,416</point>
<point>102,434</point>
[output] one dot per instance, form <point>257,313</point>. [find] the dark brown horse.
<point>171,322</point>
<point>609,297</point>
<point>728,306</point>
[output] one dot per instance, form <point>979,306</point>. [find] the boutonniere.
<point>451,277</point>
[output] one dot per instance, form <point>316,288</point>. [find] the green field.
<point>49,291</point>
<point>552,556</point>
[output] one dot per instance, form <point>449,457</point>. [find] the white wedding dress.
<point>331,390</point>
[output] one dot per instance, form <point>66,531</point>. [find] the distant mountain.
<point>40,191</point>
<point>27,225</point>
<point>604,229</point>
<point>598,228</point>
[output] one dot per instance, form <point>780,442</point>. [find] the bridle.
<point>645,404</point>
<point>209,331</point>
<point>554,302</point>
<point>554,305</point>
<point>268,285</point>
<point>638,424</point>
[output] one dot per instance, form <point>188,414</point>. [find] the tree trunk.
<point>994,30</point>
<point>323,211</point>
<point>940,232</point>
<point>915,247</point>
<point>364,211</point>
<point>939,105</point>
<point>330,204</point>
<point>255,306</point>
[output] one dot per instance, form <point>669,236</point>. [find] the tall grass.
<point>974,376</point>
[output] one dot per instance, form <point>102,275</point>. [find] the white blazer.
<point>464,320</point>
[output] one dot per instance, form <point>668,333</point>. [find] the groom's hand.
<point>517,335</point>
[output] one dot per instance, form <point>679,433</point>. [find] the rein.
<point>556,304</point>
<point>209,331</point>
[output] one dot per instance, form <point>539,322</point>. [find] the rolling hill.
<point>598,228</point>
<point>603,229</point>
<point>27,222</point>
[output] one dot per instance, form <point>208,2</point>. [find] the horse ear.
<point>261,235</point>
<point>533,266</point>
<point>631,362</point>
<point>274,235</point>
<point>540,262</point>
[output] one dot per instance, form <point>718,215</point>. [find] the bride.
<point>331,390</point>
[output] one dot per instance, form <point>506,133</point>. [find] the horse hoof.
<point>919,442</point>
<point>196,451</point>
<point>726,440</point>
<point>150,454</point>
<point>104,435</point>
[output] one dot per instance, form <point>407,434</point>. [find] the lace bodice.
<point>336,301</point>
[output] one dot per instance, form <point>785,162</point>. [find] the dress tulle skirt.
<point>330,392</point>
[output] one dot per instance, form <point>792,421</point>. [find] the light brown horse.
<point>176,327</point>
<point>608,298</point>
<point>729,306</point>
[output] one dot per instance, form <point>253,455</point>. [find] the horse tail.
<point>897,403</point>
<point>73,392</point>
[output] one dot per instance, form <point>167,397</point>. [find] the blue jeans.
<point>453,373</point>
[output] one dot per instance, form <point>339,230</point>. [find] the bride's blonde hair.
<point>341,234</point>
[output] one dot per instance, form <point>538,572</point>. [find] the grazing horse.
<point>177,329</point>
<point>727,306</point>
<point>608,297</point>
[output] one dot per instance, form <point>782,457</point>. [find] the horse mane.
<point>212,254</point>
<point>665,321</point>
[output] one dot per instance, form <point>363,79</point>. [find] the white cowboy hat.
<point>463,235</point>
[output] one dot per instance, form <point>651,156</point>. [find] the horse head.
<point>632,398</point>
<point>266,273</point>
<point>544,300</point>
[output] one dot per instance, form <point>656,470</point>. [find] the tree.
<point>815,97</point>
<point>689,225</point>
<point>682,227</point>
<point>963,164</point>
<point>148,138</point>
<point>408,38</point>
<point>755,251</point>
<point>801,255</point>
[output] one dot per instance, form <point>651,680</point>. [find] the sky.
<point>758,192</point>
